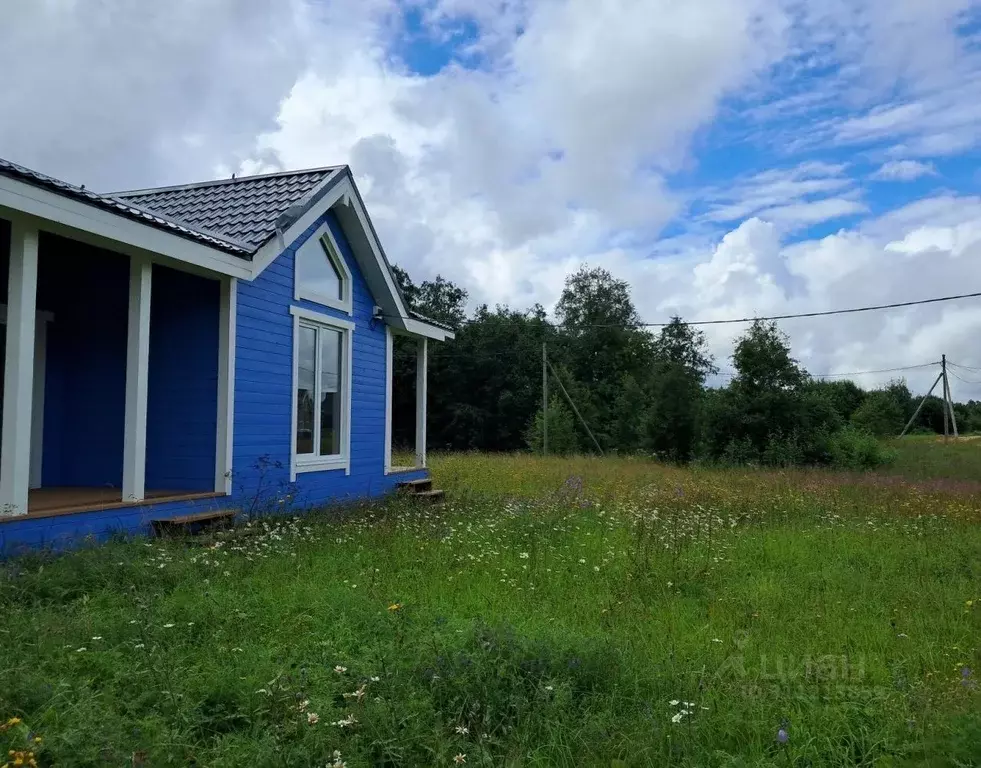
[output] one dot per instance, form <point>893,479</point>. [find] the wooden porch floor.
<point>58,501</point>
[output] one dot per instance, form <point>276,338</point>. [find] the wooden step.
<point>169,526</point>
<point>416,486</point>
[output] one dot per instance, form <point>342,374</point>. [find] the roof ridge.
<point>217,182</point>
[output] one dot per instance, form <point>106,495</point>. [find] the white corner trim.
<point>334,255</point>
<point>66,215</point>
<point>137,376</point>
<point>312,463</point>
<point>389,373</point>
<point>224,438</point>
<point>320,318</point>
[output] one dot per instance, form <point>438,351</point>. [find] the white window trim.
<point>320,463</point>
<point>326,237</point>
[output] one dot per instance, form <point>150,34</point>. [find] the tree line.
<point>638,390</point>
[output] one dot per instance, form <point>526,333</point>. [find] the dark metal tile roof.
<point>246,209</point>
<point>129,208</point>
<point>427,320</point>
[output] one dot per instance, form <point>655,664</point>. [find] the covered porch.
<point>405,443</point>
<point>116,386</point>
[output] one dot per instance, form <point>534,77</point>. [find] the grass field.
<point>930,457</point>
<point>579,612</point>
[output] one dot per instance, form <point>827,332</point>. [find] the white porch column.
<point>137,374</point>
<point>18,377</point>
<point>389,373</point>
<point>421,383</point>
<point>226,384</point>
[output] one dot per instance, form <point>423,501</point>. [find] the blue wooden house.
<point>186,350</point>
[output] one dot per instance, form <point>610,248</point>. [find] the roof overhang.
<point>64,215</point>
<point>70,215</point>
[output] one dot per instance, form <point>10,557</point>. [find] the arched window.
<point>322,276</point>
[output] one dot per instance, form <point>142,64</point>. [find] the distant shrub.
<point>563,439</point>
<point>856,449</point>
<point>784,450</point>
<point>879,414</point>
<point>738,452</point>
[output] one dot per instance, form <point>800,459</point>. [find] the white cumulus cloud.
<point>904,170</point>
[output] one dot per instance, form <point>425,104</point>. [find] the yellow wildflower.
<point>395,607</point>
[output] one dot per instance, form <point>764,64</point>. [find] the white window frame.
<point>332,253</point>
<point>314,463</point>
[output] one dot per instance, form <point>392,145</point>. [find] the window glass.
<point>306,367</point>
<point>316,271</point>
<point>330,392</point>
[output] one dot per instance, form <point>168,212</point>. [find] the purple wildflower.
<point>782,736</point>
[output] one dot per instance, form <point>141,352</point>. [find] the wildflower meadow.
<point>552,612</point>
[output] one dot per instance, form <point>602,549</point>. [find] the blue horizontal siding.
<point>87,290</point>
<point>264,383</point>
<point>182,398</point>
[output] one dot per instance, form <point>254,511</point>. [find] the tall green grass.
<point>553,613</point>
<point>930,457</point>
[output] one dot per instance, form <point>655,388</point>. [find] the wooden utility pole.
<point>920,406</point>
<point>544,400</point>
<point>943,374</point>
<point>576,411</point>
<point>948,399</point>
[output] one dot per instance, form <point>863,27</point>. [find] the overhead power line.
<point>965,367</point>
<point>881,370</point>
<point>966,381</point>
<point>791,316</point>
<point>513,354</point>
<point>732,374</point>
<point>824,313</point>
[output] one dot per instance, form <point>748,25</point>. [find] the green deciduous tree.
<point>637,391</point>
<point>880,414</point>
<point>601,343</point>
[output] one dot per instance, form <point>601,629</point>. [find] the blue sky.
<point>727,158</point>
<point>737,143</point>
